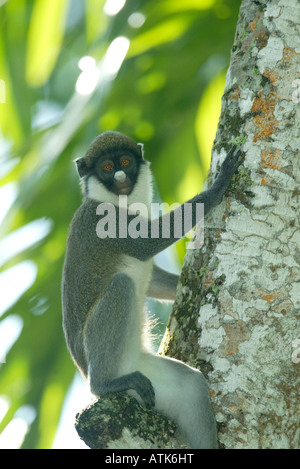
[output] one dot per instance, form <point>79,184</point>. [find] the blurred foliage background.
<point>70,69</point>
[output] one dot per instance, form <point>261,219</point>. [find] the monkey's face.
<point>117,171</point>
<point>112,161</point>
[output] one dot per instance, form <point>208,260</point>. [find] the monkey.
<point>106,281</point>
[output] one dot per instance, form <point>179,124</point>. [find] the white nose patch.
<point>120,176</point>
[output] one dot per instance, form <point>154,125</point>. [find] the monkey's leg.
<point>163,284</point>
<point>112,333</point>
<point>182,394</point>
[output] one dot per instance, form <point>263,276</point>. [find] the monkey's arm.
<point>163,284</point>
<point>145,248</point>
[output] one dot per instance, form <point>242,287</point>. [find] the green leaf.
<point>165,32</point>
<point>44,39</point>
<point>96,21</point>
<point>10,124</point>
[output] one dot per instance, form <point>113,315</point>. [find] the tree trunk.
<point>236,312</point>
<point>243,287</point>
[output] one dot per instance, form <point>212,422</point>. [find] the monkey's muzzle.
<point>122,183</point>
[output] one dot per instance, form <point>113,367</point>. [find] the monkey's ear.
<point>81,167</point>
<point>141,146</point>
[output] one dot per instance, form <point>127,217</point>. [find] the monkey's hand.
<point>143,387</point>
<point>228,167</point>
<point>213,196</point>
<point>136,381</point>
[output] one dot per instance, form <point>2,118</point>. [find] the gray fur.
<point>163,284</point>
<point>105,283</point>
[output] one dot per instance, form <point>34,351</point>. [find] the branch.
<point>117,421</point>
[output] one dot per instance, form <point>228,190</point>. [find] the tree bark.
<point>117,421</point>
<point>243,288</point>
<point>237,309</point>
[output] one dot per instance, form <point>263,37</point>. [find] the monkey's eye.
<point>125,162</point>
<point>107,166</point>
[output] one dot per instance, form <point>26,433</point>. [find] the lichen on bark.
<point>244,284</point>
